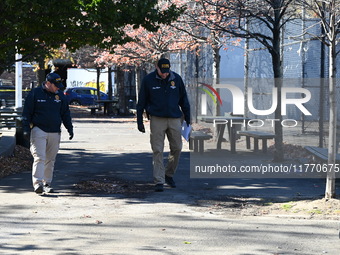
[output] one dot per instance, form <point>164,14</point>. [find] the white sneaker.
<point>48,188</point>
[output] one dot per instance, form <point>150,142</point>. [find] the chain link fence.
<point>305,105</point>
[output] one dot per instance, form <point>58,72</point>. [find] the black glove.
<point>71,135</point>
<point>141,127</point>
<point>187,120</point>
<point>26,135</point>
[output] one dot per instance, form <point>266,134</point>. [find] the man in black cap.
<point>45,109</point>
<point>164,98</point>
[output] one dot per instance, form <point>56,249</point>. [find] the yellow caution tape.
<point>12,90</point>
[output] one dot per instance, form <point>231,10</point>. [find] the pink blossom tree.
<point>190,31</point>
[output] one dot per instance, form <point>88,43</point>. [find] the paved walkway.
<point>172,222</point>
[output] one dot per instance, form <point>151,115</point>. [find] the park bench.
<point>93,108</point>
<point>322,153</point>
<point>196,140</point>
<point>257,135</point>
<point>9,117</point>
<point>8,103</point>
<point>109,106</point>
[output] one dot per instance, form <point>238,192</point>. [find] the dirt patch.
<point>313,208</point>
<point>114,186</point>
<point>294,153</point>
<point>200,127</point>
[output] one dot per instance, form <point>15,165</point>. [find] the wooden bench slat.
<point>200,135</point>
<point>93,108</point>
<point>257,135</point>
<point>321,153</point>
<point>196,140</point>
<point>9,117</point>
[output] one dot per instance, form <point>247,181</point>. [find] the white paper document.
<point>186,130</point>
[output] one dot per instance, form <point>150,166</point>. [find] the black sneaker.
<point>48,188</point>
<point>38,188</point>
<point>170,181</point>
<point>159,188</point>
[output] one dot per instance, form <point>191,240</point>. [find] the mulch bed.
<point>20,161</point>
<point>293,152</point>
<point>114,186</point>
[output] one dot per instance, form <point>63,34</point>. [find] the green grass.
<point>288,206</point>
<point>315,211</point>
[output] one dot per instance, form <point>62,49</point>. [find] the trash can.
<point>19,134</point>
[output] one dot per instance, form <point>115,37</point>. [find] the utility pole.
<point>18,81</point>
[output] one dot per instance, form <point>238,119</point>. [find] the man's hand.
<point>71,135</point>
<point>141,128</point>
<point>187,120</point>
<point>26,135</point>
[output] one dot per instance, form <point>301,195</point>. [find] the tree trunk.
<point>246,74</point>
<point>330,180</point>
<point>217,73</point>
<point>98,82</point>
<point>110,108</point>
<point>278,154</point>
<point>109,77</point>
<point>322,87</point>
<point>278,75</point>
<point>121,90</point>
<point>41,72</point>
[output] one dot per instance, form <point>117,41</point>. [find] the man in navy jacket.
<point>45,109</point>
<point>164,98</point>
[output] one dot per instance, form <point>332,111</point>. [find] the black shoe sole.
<point>170,183</point>
<point>159,188</point>
<point>39,190</point>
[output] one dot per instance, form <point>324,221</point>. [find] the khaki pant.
<point>44,148</point>
<point>171,127</point>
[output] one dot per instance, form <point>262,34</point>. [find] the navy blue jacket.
<point>163,98</point>
<point>46,110</point>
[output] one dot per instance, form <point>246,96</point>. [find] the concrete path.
<point>172,222</point>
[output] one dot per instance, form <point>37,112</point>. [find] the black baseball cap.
<point>55,79</point>
<point>164,65</point>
